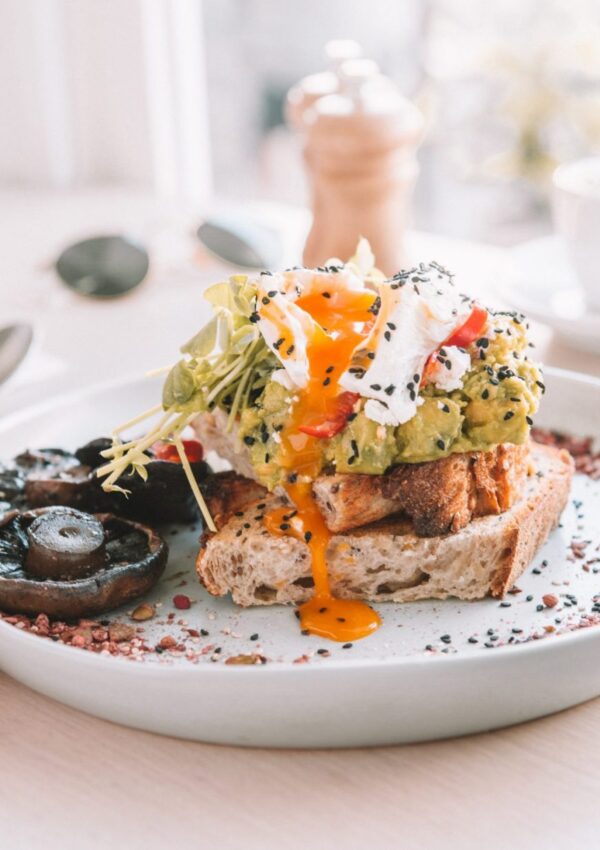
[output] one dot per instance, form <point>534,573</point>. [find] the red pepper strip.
<point>471,329</point>
<point>462,337</point>
<point>428,368</point>
<point>194,451</point>
<point>334,421</point>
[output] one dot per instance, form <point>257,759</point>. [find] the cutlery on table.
<point>103,266</point>
<point>15,341</point>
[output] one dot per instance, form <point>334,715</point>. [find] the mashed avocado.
<point>494,405</point>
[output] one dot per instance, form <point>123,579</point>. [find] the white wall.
<point>104,91</point>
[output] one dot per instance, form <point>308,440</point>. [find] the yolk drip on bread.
<point>343,319</point>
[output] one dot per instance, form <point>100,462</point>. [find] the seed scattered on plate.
<point>254,658</point>
<point>181,601</point>
<point>120,632</point>
<point>550,600</point>
<point>145,611</point>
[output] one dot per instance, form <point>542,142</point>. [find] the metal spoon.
<point>103,266</point>
<point>14,345</point>
<point>109,266</point>
<point>241,242</point>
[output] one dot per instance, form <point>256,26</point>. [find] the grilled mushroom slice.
<point>43,464</point>
<point>64,481</point>
<point>165,497</point>
<point>66,564</point>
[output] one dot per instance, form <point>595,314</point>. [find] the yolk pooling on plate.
<point>343,319</point>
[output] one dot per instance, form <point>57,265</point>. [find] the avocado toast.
<point>354,407</point>
<point>387,561</point>
<point>438,496</point>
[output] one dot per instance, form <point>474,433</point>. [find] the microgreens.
<point>225,365</point>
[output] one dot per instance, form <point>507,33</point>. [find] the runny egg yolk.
<point>343,319</point>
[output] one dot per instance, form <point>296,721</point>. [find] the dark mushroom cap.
<point>135,559</point>
<point>42,463</point>
<point>165,497</point>
<point>71,486</point>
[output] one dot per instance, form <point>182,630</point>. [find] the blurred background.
<point>145,118</point>
<point>183,98</point>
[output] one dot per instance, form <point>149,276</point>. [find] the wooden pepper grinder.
<point>359,149</point>
<point>302,96</point>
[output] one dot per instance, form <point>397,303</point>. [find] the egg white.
<point>414,321</point>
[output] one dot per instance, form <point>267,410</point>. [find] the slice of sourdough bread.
<point>387,561</point>
<point>437,496</point>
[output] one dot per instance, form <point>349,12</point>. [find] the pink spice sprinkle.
<point>182,601</point>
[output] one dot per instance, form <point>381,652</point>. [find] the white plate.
<point>385,689</point>
<point>544,287</point>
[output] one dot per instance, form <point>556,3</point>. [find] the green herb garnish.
<point>225,365</point>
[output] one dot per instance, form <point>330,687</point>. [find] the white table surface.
<point>71,781</point>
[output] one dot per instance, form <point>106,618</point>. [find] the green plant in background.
<point>518,85</point>
<point>550,111</point>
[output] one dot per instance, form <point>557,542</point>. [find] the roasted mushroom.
<point>65,544</point>
<point>65,481</point>
<point>71,480</point>
<point>67,564</point>
<point>44,463</point>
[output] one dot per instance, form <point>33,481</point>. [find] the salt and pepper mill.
<point>302,96</point>
<point>360,141</point>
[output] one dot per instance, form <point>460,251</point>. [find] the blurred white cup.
<point>576,213</point>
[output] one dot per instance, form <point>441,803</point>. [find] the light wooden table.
<point>72,781</point>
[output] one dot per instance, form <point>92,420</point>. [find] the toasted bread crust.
<point>227,492</point>
<point>211,430</point>
<point>387,561</point>
<point>439,496</point>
